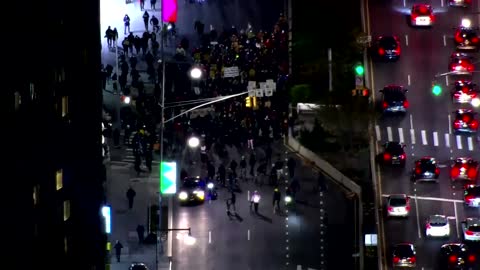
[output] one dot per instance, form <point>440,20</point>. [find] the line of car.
<point>462,170</point>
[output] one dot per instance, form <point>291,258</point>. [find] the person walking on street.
<point>126,23</point>
<point>146,16</point>
<point>141,233</point>
<point>255,201</point>
<point>118,250</point>
<point>142,5</point>
<point>294,186</point>
<point>276,199</point>
<point>243,169</point>
<point>130,196</point>
<point>291,163</point>
<point>321,186</point>
<point>233,167</point>
<point>154,21</point>
<point>231,203</point>
<point>152,4</point>
<point>268,154</point>
<point>252,163</point>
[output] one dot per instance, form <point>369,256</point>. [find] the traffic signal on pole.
<point>436,89</point>
<point>248,102</point>
<point>359,70</point>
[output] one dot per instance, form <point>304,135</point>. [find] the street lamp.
<point>193,142</point>
<point>195,73</point>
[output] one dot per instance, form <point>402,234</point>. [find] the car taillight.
<point>473,95</point>
<point>397,51</point>
<point>475,40</point>
<point>474,124</point>
<point>468,198</point>
<point>413,259</point>
<point>390,209</point>
<point>471,258</point>
<point>465,90</point>
<point>452,259</point>
<point>466,118</point>
<point>387,156</point>
<point>457,124</point>
<point>407,207</point>
<point>470,67</point>
<point>381,51</point>
<point>396,259</point>
<point>455,172</point>
<point>414,17</point>
<point>458,38</point>
<point>402,156</point>
<point>437,171</point>
<point>406,104</point>
<point>385,105</point>
<point>432,18</point>
<point>472,173</point>
<point>429,226</point>
<point>418,170</point>
<point>469,233</point>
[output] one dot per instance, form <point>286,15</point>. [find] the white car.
<point>398,205</point>
<point>471,229</point>
<point>437,226</point>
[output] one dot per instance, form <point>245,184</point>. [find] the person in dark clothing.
<point>130,196</point>
<point>233,167</point>
<point>152,4</point>
<point>276,199</point>
<point>291,163</point>
<point>222,173</point>
<point>146,16</point>
<point>126,22</point>
<point>231,203</point>
<point>321,186</point>
<point>210,170</point>
<point>118,250</point>
<point>142,5</point>
<point>268,154</point>
<point>141,233</point>
<point>243,169</point>
<point>252,163</point>
<point>294,187</point>
<point>183,174</point>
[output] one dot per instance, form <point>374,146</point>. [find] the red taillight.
<point>470,67</point>
<point>396,259</point>
<point>469,233</point>
<point>390,209</point>
<point>473,124</point>
<point>413,259</point>
<point>475,40</point>
<point>406,104</point>
<point>385,105</point>
<point>458,37</point>
<point>429,226</point>
<point>473,95</point>
<point>455,172</point>
<point>414,16</point>
<point>466,118</point>
<point>471,258</point>
<point>407,207</point>
<point>453,259</point>
<point>468,199</point>
<point>437,171</point>
<point>465,90</point>
<point>402,156</point>
<point>387,156</point>
<point>472,173</point>
<point>418,171</point>
<point>432,18</point>
<point>381,51</point>
<point>457,124</point>
<point>397,50</point>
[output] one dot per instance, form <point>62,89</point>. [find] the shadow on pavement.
<point>264,218</point>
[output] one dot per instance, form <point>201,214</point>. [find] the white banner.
<point>230,72</point>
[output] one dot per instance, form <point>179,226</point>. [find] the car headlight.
<point>200,194</point>
<point>210,185</point>
<point>183,195</point>
<point>288,199</point>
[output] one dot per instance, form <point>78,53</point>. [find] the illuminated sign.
<point>168,178</point>
<point>169,11</point>
<point>107,216</point>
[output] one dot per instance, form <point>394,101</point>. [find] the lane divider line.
<point>424,137</point>
<point>377,132</point>
<point>447,140</point>
<point>400,135</point>
<point>408,80</point>
<point>446,80</point>
<point>435,138</point>
<point>470,143</point>
<point>430,198</point>
<point>418,217</point>
<point>412,136</point>
<point>389,134</point>
<point>449,124</point>
<point>209,237</point>
<point>457,224</point>
<point>411,121</point>
<point>444,36</point>
<point>248,235</point>
<point>459,142</point>
<point>406,40</point>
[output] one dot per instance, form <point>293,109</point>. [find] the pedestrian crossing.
<point>424,137</point>
<point>130,158</point>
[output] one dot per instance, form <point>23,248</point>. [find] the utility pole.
<point>330,74</point>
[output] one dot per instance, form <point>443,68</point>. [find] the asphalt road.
<point>295,237</point>
<point>426,128</point>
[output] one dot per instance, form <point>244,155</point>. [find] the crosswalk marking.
<point>432,138</point>
<point>424,137</point>
<point>470,143</point>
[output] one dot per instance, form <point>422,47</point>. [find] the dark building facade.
<point>55,172</point>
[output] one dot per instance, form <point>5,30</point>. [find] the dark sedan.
<point>386,48</point>
<point>394,154</point>
<point>426,169</point>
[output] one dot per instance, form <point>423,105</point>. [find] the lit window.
<point>66,210</point>
<point>59,179</point>
<point>18,100</point>
<point>64,106</point>
<point>65,244</point>
<point>36,195</point>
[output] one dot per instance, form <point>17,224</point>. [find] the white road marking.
<point>446,80</point>
<point>209,237</point>
<point>411,121</point>
<point>444,37</point>
<point>404,3</point>
<point>412,136</point>
<point>248,195</point>
<point>449,124</point>
<point>430,199</point>
<point>457,224</point>
<point>435,138</point>
<point>248,235</point>
<point>389,134</point>
<point>299,267</point>
<point>418,218</point>
<point>400,135</point>
<point>377,132</point>
<point>470,143</point>
<point>424,137</point>
<point>406,40</point>
<point>447,140</point>
<point>459,142</point>
<point>408,79</point>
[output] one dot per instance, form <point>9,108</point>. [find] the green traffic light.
<point>359,70</point>
<point>437,90</point>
